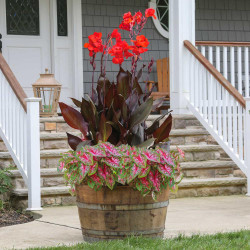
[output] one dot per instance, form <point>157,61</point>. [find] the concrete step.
<point>188,188</point>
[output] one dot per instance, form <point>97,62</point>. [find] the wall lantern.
<point>48,89</point>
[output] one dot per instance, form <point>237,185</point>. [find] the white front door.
<point>26,40</point>
<point>37,35</point>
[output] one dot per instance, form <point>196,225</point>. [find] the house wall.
<point>221,20</point>
<point>105,15</point>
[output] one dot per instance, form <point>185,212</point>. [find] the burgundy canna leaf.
<point>163,131</point>
<point>73,141</point>
<point>76,102</point>
<point>74,118</point>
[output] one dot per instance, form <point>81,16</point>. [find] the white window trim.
<point>163,32</point>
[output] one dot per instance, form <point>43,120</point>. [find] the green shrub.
<point>5,185</point>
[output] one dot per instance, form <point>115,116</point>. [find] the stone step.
<point>187,188</point>
<point>208,169</point>
<point>50,177</point>
<point>50,158</point>
<point>211,187</point>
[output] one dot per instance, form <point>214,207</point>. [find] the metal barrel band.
<point>123,207</point>
<point>89,232</point>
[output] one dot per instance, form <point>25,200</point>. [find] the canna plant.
<point>116,111</point>
<point>116,147</point>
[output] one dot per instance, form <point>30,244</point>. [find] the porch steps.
<point>207,169</point>
<point>59,195</point>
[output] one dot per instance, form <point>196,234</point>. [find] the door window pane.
<point>62,19</point>
<point>22,17</point>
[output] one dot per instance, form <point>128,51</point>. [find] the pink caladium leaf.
<point>61,166</point>
<point>85,158</point>
<point>165,170</point>
<point>103,171</point>
<point>96,179</point>
<point>154,178</point>
<point>95,151</point>
<point>145,183</point>
<point>151,157</point>
<point>113,162</point>
<point>139,160</point>
<point>134,171</point>
<point>93,168</point>
<point>122,176</point>
<point>110,181</point>
<point>165,157</point>
<point>110,149</point>
<point>182,154</point>
<point>84,169</point>
<point>144,172</point>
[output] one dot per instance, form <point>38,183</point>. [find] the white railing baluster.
<point>247,142</point>
<point>225,62</point>
<point>239,70</point>
<point>232,67</point>
<point>230,129</point>
<point>235,127</point>
<point>240,132</point>
<point>247,71</point>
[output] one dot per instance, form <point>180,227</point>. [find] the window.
<point>162,13</point>
<point>22,17</point>
<point>62,19</point>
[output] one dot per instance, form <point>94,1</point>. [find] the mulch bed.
<point>12,217</point>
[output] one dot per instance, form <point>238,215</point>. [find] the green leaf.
<point>141,113</point>
<point>76,102</point>
<point>105,129</point>
<point>146,144</point>
<point>82,144</point>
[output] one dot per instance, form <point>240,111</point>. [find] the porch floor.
<point>60,225</point>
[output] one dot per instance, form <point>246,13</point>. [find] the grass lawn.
<point>237,240</point>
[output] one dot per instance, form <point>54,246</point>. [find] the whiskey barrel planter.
<point>115,214</point>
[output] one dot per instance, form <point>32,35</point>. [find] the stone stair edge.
<point>186,183</point>
<point>184,165</point>
<point>188,148</point>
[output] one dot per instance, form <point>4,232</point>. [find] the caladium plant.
<point>116,112</point>
<point>122,168</point>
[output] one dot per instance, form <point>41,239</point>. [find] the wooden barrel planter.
<point>115,214</point>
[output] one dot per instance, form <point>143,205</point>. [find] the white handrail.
<point>219,107</point>
<point>20,132</point>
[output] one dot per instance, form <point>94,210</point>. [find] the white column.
<point>182,27</point>
<point>247,143</point>
<point>33,154</point>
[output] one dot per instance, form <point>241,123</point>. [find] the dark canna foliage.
<point>116,113</point>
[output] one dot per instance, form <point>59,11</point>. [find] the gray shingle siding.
<point>223,20</point>
<point>103,16</point>
<point>216,20</point>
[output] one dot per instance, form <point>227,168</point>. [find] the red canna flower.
<point>150,12</point>
<point>95,43</point>
<point>140,43</point>
<point>138,17</point>
<point>128,21</point>
<point>119,51</point>
<point>117,35</point>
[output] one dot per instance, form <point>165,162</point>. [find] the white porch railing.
<point>232,60</point>
<point>19,129</point>
<point>220,108</point>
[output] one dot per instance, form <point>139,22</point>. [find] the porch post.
<point>33,154</point>
<point>181,28</point>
